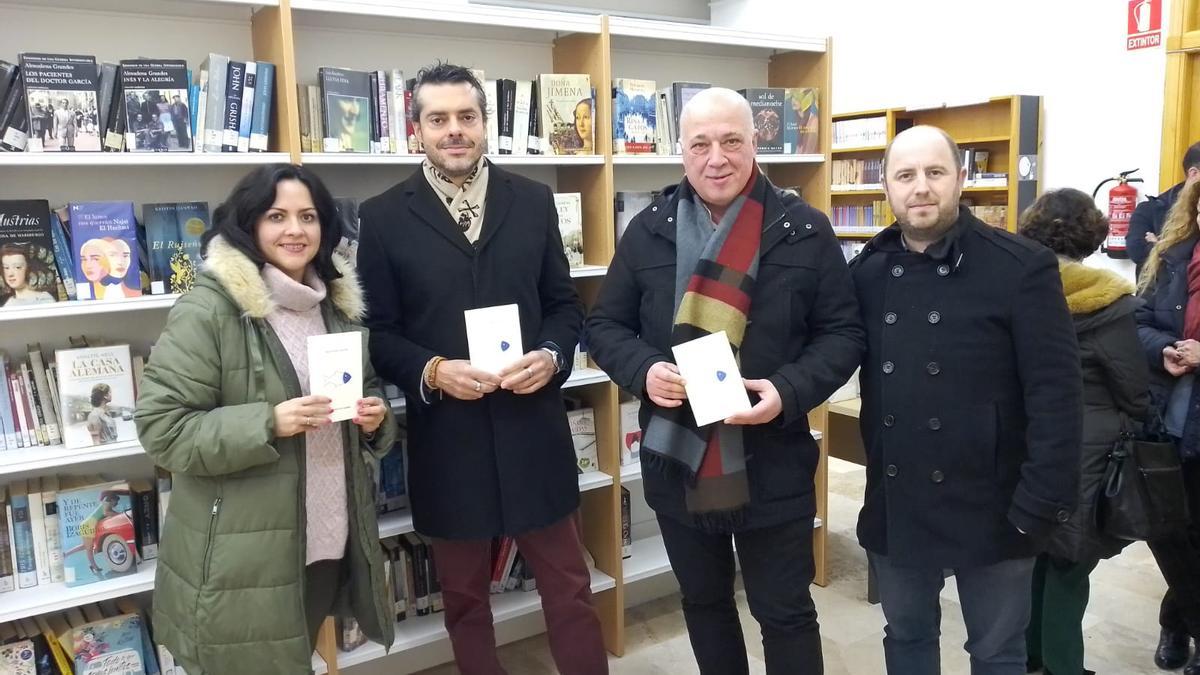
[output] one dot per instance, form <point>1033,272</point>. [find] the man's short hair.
<point>1191,158</point>
<point>958,159</point>
<point>446,73</point>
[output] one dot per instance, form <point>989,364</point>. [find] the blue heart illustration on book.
<point>345,377</point>
<point>721,376</point>
<point>504,345</point>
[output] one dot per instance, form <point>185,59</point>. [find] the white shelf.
<point>593,480</point>
<point>364,159</point>
<point>631,472</point>
<point>40,599</point>
<point>49,457</point>
<point>649,559</point>
<point>418,631</point>
<point>677,160</point>
<point>630,33</point>
<point>855,230</point>
<point>227,10</point>
<point>857,187</point>
<point>54,310</point>
<point>133,159</point>
<point>587,271</point>
<point>578,378</point>
<point>424,18</point>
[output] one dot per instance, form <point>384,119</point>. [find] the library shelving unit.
<point>299,36</point>
<point>1181,119</point>
<point>1008,127</point>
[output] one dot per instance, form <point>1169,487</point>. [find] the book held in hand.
<point>494,337</point>
<point>711,378</point>
<point>335,371</point>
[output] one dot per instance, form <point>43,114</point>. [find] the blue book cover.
<point>105,247</point>
<point>247,112</point>
<point>233,106</point>
<point>22,534</point>
<point>393,494</point>
<point>62,255</point>
<point>96,528</point>
<point>173,232</point>
<point>635,116</point>
<point>264,89</point>
<point>111,646</point>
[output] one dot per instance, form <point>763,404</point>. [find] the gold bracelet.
<point>430,375</point>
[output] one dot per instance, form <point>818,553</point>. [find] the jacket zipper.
<point>212,535</point>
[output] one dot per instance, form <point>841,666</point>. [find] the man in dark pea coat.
<point>971,412</point>
<point>489,455</point>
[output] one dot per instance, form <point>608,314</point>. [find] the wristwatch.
<point>556,356</point>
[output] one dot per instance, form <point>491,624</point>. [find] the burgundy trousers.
<point>563,582</point>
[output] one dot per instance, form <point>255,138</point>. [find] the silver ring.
<point>529,373</point>
<point>307,421</point>
<point>478,386</point>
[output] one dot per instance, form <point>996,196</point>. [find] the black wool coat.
<point>504,464</point>
<point>803,334</point>
<point>971,397</point>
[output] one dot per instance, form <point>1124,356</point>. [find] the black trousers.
<point>321,582</point>
<point>777,569</point>
<point>1178,559</point>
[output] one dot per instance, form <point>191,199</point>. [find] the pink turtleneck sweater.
<point>297,316</point>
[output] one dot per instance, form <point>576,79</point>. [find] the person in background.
<point>971,412</point>
<point>1169,330</point>
<point>1115,393</point>
<point>271,526</point>
<point>1146,223</point>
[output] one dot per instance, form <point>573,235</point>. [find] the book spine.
<point>109,73</point>
<point>37,423</point>
<point>214,124</point>
<point>246,114</point>
<point>264,96</point>
<point>521,117</point>
<point>43,386</point>
<point>385,122</point>
<point>396,109</point>
<point>506,92</point>
<point>22,529</point>
<point>373,106</point>
<point>114,129</point>
<point>146,523</point>
<point>37,524</point>
<point>14,121</point>
<point>200,111</point>
<point>499,567</point>
<point>316,116</point>
<point>8,579</point>
<point>62,255</point>
<point>235,81</point>
<point>534,141</point>
<point>8,412</point>
<point>18,401</point>
<point>53,536</point>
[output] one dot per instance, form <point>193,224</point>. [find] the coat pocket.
<point>968,443</point>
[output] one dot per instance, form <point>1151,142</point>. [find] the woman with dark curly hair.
<point>1115,382</point>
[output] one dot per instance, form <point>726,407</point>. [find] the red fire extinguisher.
<point>1122,199</point>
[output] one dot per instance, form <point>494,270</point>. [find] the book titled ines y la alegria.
<point>346,110</point>
<point>97,395</point>
<point>635,116</point>
<point>97,533</point>
<point>26,254</point>
<point>157,118</point>
<point>60,93</point>
<point>104,243</point>
<point>567,114</point>
<point>173,232</point>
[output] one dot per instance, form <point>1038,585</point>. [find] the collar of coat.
<point>775,209</point>
<point>1089,289</point>
<point>243,280</point>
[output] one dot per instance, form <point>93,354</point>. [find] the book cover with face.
<point>28,274</point>
<point>104,241</point>
<point>97,395</point>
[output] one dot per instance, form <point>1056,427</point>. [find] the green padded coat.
<point>229,586</point>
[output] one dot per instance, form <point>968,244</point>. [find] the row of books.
<point>858,133</point>
<point>976,161</point>
<point>875,214</point>
<point>111,636</point>
<point>370,112</point>
<point>995,215</point>
<point>69,102</point>
<point>84,397</point>
<point>850,172</point>
<point>78,530</point>
<point>97,250</point>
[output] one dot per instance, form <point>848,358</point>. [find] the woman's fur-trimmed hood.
<point>1089,289</point>
<point>243,281</point>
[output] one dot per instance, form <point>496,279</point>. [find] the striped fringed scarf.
<point>714,277</point>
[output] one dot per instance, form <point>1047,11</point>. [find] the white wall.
<point>1103,104</point>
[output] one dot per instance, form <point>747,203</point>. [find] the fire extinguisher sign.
<point>1145,24</point>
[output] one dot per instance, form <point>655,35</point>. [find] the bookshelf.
<point>1181,120</point>
<point>299,36</point>
<point>1007,127</point>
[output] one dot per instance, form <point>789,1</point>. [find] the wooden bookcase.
<point>1008,127</point>
<point>1181,118</point>
<point>299,36</point>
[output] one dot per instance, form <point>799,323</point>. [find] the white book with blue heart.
<point>335,370</point>
<point>711,378</point>
<point>494,337</point>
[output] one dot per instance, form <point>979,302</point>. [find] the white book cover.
<point>53,537</point>
<point>493,119</point>
<point>37,520</point>
<point>335,370</point>
<point>399,128</point>
<point>711,378</point>
<point>521,107</point>
<point>570,225</point>
<point>494,337</point>
<point>583,435</point>
<point>97,395</point>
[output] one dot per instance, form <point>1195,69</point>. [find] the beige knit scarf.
<point>465,204</point>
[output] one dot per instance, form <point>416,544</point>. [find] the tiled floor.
<point>1121,626</point>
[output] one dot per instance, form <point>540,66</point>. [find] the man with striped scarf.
<point>725,250</point>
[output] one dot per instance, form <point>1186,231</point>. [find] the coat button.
<point>1063,515</point>
<point>937,476</point>
<point>808,226</point>
<point>933,368</point>
<point>889,318</point>
<point>889,421</point>
<point>935,317</point>
<point>943,270</point>
<point>1178,306</point>
<point>892,470</point>
<point>888,367</point>
<point>670,219</point>
<point>935,423</point>
<point>787,226</point>
<point>654,208</point>
<point>897,271</point>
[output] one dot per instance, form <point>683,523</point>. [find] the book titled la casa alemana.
<point>97,395</point>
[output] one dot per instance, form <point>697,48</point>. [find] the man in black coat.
<point>490,454</point>
<point>1148,218</point>
<point>794,316</point>
<point>971,412</point>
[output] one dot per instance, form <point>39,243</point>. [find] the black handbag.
<point>1142,496</point>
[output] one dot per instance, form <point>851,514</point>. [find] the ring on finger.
<point>529,373</point>
<point>307,421</point>
<point>478,386</point>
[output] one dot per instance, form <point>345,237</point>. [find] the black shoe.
<point>1172,652</point>
<point>1193,665</point>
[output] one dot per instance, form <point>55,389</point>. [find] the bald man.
<point>725,250</point>
<point>971,412</point>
